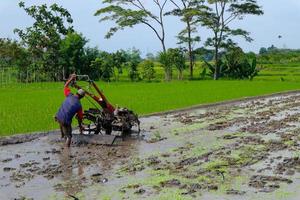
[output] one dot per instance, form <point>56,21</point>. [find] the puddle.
<point>247,150</point>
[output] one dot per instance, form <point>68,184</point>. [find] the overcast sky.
<point>281,17</point>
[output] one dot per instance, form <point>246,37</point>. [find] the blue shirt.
<point>68,109</point>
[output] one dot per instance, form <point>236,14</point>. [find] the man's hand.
<point>73,76</point>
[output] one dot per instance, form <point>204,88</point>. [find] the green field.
<point>279,72</point>
<point>31,107</point>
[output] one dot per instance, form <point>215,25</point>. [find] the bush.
<point>165,58</point>
<point>178,61</point>
<point>103,65</point>
<point>148,72</point>
<point>133,72</point>
<point>236,64</point>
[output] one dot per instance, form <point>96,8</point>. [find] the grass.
<point>279,72</point>
<point>31,107</point>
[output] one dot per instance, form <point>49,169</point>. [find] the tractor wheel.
<point>97,131</point>
<point>108,130</point>
<point>98,126</point>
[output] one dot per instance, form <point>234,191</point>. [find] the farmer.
<point>68,109</point>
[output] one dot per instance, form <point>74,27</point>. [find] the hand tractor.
<point>104,118</point>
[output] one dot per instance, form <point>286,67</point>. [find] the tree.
<point>43,38</point>
<point>150,56</point>
<point>132,55</point>
<point>133,58</point>
<point>90,55</point>
<point>148,71</point>
<point>128,13</point>
<point>263,50</point>
<point>119,60</point>
<point>235,64</point>
<point>220,14</point>
<point>105,66</point>
<point>239,65</point>
<point>12,54</point>
<point>165,58</point>
<point>178,61</point>
<point>188,10</point>
<point>133,72</point>
<point>72,53</point>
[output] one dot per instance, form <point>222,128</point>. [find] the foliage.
<point>188,10</point>
<point>72,53</point>
<point>178,61</point>
<point>150,56</point>
<point>133,72</point>
<point>43,38</point>
<point>89,68</point>
<point>12,54</point>
<point>218,17</point>
<point>128,13</point>
<point>119,60</point>
<point>165,58</point>
<point>173,58</point>
<point>148,72</point>
<point>237,65</point>
<point>263,50</point>
<point>204,54</point>
<point>273,55</point>
<point>133,58</point>
<point>104,65</point>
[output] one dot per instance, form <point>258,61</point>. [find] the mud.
<point>241,150</point>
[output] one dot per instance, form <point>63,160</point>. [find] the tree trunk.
<point>217,67</point>
<point>168,74</point>
<point>180,75</point>
<point>163,45</point>
<point>190,50</point>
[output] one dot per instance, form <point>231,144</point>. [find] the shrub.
<point>148,72</point>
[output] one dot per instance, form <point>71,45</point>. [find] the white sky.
<point>281,17</point>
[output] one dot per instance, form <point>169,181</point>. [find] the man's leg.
<point>68,134</point>
<point>61,127</point>
<point>61,131</point>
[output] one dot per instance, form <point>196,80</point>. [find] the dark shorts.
<point>66,129</point>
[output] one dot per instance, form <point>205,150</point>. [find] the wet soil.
<point>243,150</point>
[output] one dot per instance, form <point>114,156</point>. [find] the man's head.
<point>81,93</point>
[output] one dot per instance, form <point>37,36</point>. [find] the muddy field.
<point>243,150</point>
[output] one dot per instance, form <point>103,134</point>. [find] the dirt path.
<point>246,150</point>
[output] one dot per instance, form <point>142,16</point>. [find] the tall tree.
<point>119,60</point>
<point>72,53</point>
<point>128,13</point>
<point>165,58</point>
<point>133,58</point>
<point>178,61</point>
<point>188,10</point>
<point>13,54</point>
<point>43,38</point>
<point>218,19</point>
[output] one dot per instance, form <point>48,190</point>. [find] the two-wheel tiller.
<point>107,118</point>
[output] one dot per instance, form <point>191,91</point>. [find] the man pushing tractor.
<point>69,108</point>
<point>103,117</point>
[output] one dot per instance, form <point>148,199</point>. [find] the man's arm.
<point>67,90</point>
